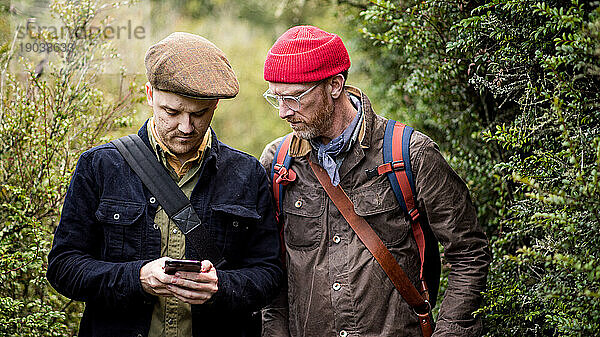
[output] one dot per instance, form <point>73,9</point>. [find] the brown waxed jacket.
<point>335,286</point>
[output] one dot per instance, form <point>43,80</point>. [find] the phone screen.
<point>172,266</point>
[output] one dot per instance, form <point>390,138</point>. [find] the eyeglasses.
<point>292,102</point>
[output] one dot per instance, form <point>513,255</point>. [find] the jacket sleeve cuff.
<point>275,316</point>
<point>223,296</point>
<point>138,288</point>
<point>453,329</point>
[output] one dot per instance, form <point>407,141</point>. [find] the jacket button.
<point>235,223</point>
<point>298,203</point>
<point>174,230</point>
<point>337,286</point>
<point>343,333</point>
<point>152,200</point>
<point>336,239</point>
<point>139,335</point>
<point>117,216</point>
<point>155,226</point>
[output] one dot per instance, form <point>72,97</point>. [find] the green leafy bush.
<point>49,114</point>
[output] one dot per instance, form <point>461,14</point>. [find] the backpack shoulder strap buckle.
<point>414,214</point>
<point>283,175</point>
<point>388,167</point>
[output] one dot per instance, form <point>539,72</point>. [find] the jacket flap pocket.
<point>237,210</point>
<point>118,212</point>
<point>374,199</point>
<point>309,203</point>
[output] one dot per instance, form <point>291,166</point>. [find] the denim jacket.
<point>106,235</point>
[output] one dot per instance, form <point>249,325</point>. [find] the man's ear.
<point>149,93</point>
<point>337,85</point>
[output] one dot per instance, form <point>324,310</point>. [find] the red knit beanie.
<point>305,54</point>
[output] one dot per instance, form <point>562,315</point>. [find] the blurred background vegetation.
<point>510,90</point>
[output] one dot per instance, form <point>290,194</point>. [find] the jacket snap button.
<point>174,230</point>
<point>235,224</point>
<point>336,239</point>
<point>337,286</point>
<point>155,226</point>
<point>117,216</point>
<point>298,204</point>
<point>152,200</point>
<point>343,333</point>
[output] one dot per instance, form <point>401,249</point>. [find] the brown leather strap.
<point>425,323</point>
<point>374,244</point>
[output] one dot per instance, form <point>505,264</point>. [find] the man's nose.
<point>185,123</point>
<point>285,111</point>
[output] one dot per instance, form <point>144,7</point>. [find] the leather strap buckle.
<point>425,310</point>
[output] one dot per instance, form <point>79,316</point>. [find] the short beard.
<point>167,139</point>
<point>319,123</point>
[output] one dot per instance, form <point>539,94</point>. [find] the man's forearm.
<point>466,281</point>
<point>83,278</point>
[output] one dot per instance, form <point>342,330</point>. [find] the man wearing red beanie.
<point>336,285</point>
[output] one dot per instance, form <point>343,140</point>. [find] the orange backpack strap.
<point>396,165</point>
<point>281,175</point>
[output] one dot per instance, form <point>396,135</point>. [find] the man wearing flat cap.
<point>117,232</point>
<point>363,202</point>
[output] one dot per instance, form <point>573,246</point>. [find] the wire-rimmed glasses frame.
<point>292,102</point>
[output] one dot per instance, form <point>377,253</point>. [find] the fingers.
<point>199,282</point>
<point>208,274</point>
<point>189,287</point>
<point>206,266</point>
<point>195,288</point>
<point>189,295</point>
<point>153,278</point>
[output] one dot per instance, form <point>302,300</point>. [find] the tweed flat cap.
<point>192,66</point>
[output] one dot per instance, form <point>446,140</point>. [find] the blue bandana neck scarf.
<point>332,155</point>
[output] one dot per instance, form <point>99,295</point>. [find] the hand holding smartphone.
<point>172,266</point>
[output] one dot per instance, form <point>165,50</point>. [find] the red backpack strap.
<point>281,175</point>
<point>396,158</point>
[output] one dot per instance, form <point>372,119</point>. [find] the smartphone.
<point>172,266</point>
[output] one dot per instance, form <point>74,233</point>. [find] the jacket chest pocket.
<point>303,211</point>
<point>231,225</point>
<point>378,205</point>
<point>121,227</point>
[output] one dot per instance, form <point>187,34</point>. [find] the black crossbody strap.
<point>168,194</point>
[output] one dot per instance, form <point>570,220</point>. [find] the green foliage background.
<point>48,117</point>
<point>508,89</point>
